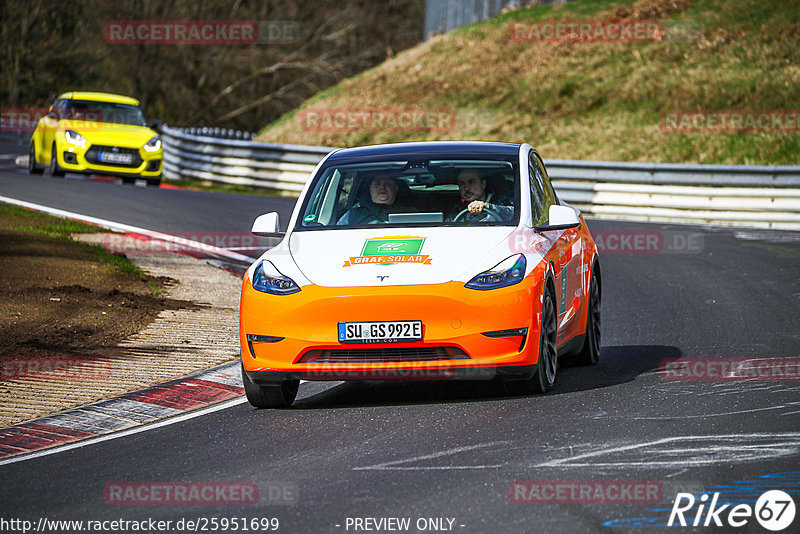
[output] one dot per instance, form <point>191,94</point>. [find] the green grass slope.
<point>601,100</point>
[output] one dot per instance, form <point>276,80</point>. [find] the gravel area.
<point>178,342</point>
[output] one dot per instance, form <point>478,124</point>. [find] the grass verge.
<point>593,101</point>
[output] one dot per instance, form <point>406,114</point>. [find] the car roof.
<point>99,97</point>
<point>421,150</point>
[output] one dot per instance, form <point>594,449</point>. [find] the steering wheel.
<point>493,215</point>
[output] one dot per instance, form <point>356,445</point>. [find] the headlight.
<point>268,278</point>
<point>153,145</point>
<point>508,272</point>
<point>74,138</point>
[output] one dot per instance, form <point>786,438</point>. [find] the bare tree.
<point>50,47</point>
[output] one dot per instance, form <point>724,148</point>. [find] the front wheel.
<point>153,181</point>
<point>33,167</point>
<point>279,395</point>
<point>546,368</point>
<point>55,168</point>
<point>590,354</point>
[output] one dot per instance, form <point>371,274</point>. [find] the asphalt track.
<point>453,449</point>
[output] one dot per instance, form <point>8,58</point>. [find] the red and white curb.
<point>170,399</point>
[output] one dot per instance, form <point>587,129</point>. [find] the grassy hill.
<point>601,100</point>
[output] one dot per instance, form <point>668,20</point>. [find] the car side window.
<point>58,108</point>
<point>547,187</point>
<point>344,193</point>
<point>538,208</point>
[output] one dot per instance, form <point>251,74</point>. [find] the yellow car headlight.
<point>74,138</point>
<point>153,145</point>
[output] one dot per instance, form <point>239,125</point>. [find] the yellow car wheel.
<point>55,168</point>
<point>33,167</point>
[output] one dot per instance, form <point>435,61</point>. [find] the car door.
<point>565,253</point>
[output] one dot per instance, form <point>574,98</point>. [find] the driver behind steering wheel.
<point>475,199</point>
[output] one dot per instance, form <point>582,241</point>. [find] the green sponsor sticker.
<point>381,246</point>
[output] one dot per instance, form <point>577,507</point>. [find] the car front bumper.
<point>73,158</point>
<point>455,344</point>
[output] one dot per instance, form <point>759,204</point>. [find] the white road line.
<point>120,227</point>
<point>392,466</point>
<point>676,473</point>
<point>127,432</point>
<point>746,451</point>
<point>698,416</point>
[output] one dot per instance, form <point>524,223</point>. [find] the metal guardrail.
<point>284,168</point>
<point>441,16</point>
<point>735,195</point>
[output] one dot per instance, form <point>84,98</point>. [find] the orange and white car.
<point>421,261</point>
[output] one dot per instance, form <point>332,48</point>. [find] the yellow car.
<point>98,133</point>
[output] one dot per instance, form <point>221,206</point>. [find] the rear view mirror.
<point>267,226</point>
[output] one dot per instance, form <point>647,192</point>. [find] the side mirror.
<point>267,226</point>
<point>52,115</point>
<point>561,218</point>
<point>155,124</point>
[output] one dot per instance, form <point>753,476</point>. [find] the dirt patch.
<point>63,298</point>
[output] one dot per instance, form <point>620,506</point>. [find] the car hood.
<point>109,133</point>
<point>344,258</point>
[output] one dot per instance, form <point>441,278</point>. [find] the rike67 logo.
<point>774,510</point>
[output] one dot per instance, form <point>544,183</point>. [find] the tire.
<point>128,179</point>
<point>33,167</point>
<point>590,353</point>
<point>280,395</point>
<point>153,181</point>
<point>55,168</point>
<point>544,376</point>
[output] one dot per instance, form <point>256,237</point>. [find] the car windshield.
<point>104,112</point>
<point>396,193</point>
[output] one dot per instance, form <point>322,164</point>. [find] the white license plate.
<point>113,157</point>
<point>380,332</point>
